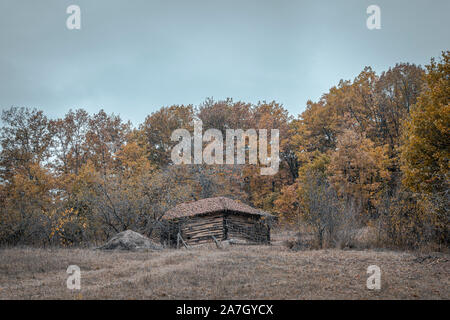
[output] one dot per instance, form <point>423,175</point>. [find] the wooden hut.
<point>214,219</point>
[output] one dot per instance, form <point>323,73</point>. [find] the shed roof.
<point>211,205</point>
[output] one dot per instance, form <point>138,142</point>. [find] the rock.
<point>234,242</point>
<point>130,240</point>
<point>224,244</point>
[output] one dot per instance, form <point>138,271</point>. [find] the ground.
<point>237,272</point>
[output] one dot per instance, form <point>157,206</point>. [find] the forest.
<point>372,152</point>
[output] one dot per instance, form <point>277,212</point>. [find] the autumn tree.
<point>397,90</point>
<point>375,147</point>
<point>157,129</point>
<point>105,136</point>
<point>27,183</point>
<point>26,197</point>
<point>426,151</point>
<point>70,146</point>
<point>290,204</point>
<point>358,169</point>
<point>26,138</point>
<point>226,114</point>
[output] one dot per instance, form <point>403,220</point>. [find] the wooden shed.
<point>213,219</point>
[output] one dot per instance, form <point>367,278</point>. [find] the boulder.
<point>130,240</point>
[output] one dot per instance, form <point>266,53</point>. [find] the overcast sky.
<point>132,57</point>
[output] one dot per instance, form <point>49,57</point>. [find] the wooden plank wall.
<point>246,227</point>
<point>197,230</point>
<point>223,225</point>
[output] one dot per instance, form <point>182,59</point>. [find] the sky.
<point>133,57</point>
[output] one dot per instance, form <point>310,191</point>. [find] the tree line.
<point>372,152</point>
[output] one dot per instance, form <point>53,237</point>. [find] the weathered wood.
<point>191,233</point>
<point>180,238</point>
<point>217,243</point>
<point>202,227</point>
<point>205,234</point>
<point>223,225</point>
<point>193,227</point>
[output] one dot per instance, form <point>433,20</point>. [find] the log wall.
<point>247,227</point>
<point>223,225</point>
<point>199,229</point>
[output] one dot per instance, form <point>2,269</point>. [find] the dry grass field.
<point>237,272</point>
